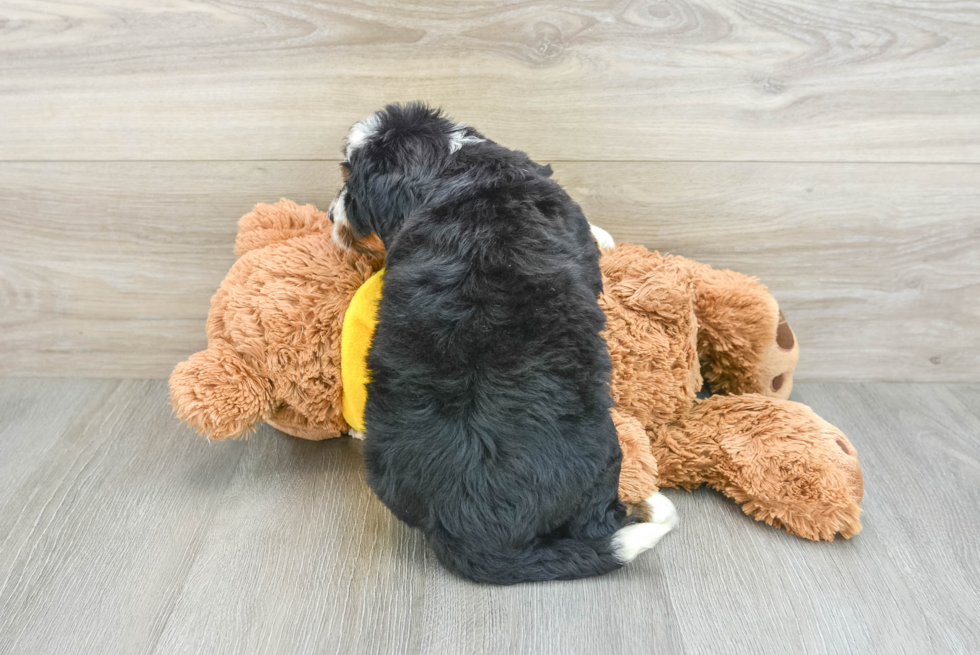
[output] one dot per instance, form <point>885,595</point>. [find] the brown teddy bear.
<point>274,355</point>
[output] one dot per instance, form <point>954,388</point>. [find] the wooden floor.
<point>830,147</point>
<point>122,532</point>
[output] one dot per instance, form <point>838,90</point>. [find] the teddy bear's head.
<point>274,330</point>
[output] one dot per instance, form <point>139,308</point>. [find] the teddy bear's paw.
<point>662,511</point>
<point>632,540</point>
<point>357,434</point>
<point>779,362</point>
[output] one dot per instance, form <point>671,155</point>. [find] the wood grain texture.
<point>126,533</point>
<point>791,80</point>
<point>877,267</point>
<point>96,537</point>
<point>107,269</point>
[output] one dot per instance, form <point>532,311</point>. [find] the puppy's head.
<point>391,160</point>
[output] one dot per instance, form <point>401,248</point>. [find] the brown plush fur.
<point>274,355</point>
<point>274,330</point>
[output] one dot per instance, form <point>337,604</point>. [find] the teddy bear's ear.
<point>218,394</point>
<point>268,224</point>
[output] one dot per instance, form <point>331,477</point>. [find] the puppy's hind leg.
<point>604,516</point>
<point>634,539</point>
<point>601,513</point>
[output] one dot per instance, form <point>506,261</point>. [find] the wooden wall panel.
<point>106,269</point>
<point>789,80</point>
<point>832,148</point>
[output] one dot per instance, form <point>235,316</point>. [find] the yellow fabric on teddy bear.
<point>360,321</point>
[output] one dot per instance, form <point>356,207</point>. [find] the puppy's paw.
<point>662,511</point>
<point>634,539</point>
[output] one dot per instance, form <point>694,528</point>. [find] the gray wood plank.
<point>600,80</point>
<point>107,269</point>
<point>99,536</point>
<point>920,454</point>
<point>130,534</point>
<point>301,524</point>
<point>36,414</point>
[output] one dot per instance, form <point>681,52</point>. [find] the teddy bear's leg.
<point>784,464</point>
<point>218,394</point>
<point>744,342</point>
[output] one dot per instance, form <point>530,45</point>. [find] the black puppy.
<point>487,415</point>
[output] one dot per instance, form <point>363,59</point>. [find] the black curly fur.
<point>487,416</point>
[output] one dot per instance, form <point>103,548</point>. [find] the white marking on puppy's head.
<point>458,138</point>
<point>361,132</point>
<point>338,214</point>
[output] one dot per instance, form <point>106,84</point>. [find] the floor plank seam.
<point>189,565</point>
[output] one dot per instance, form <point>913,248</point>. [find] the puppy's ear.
<point>379,202</point>
<point>393,160</point>
<point>545,171</point>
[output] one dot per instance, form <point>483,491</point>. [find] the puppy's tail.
<point>559,559</point>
